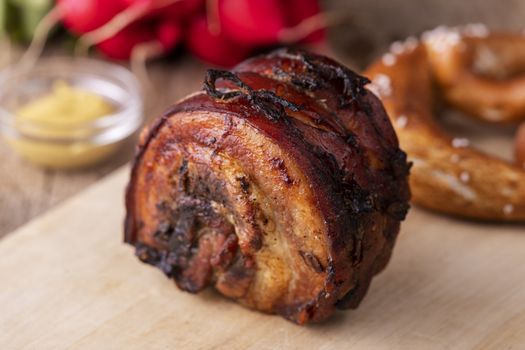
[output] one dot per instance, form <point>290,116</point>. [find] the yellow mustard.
<point>65,106</point>
<point>54,129</point>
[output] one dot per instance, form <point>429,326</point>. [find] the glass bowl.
<point>71,144</point>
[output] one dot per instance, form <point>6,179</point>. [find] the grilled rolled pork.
<point>280,184</point>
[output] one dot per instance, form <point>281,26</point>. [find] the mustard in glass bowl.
<point>68,113</point>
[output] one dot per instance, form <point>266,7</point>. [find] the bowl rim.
<point>130,112</point>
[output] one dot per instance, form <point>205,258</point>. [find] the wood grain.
<point>68,282</point>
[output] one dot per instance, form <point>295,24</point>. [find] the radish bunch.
<point>221,32</point>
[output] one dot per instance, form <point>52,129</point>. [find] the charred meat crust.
<point>335,132</point>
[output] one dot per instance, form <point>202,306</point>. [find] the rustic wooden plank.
<point>68,281</point>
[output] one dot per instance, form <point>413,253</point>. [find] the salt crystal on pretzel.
<point>381,85</point>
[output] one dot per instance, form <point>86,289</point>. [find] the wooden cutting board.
<point>68,281</point>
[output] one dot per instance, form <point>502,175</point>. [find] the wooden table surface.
<point>69,282</point>
<point>26,190</point>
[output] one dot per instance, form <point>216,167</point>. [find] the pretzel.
<point>449,175</point>
<point>519,145</point>
<point>479,72</point>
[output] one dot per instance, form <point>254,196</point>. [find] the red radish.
<point>118,27</point>
<point>136,10</point>
<point>82,16</point>
<point>169,34</point>
<point>251,22</point>
<point>178,10</point>
<point>215,49</point>
<point>121,45</point>
<point>185,9</point>
<point>300,10</point>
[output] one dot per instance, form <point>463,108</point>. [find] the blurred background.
<point>167,45</point>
